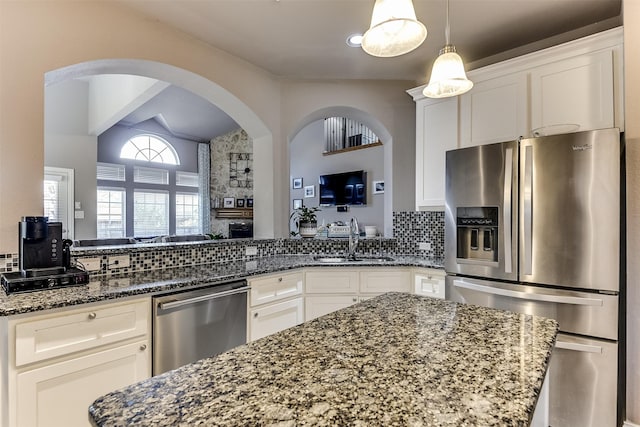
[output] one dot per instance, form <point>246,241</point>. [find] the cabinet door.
<point>494,110</point>
<point>436,132</point>
<point>276,317</point>
<point>379,281</point>
<point>576,91</point>
<point>429,283</point>
<point>59,394</point>
<point>316,306</point>
<point>331,281</point>
<point>273,288</point>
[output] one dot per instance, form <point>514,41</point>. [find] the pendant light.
<point>447,75</point>
<point>394,29</point>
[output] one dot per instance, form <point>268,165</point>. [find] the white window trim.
<point>67,176</point>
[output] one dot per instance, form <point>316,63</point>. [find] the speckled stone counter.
<point>397,359</point>
<point>157,281</point>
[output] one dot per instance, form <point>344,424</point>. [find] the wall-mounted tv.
<point>347,188</point>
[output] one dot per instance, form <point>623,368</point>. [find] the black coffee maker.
<point>42,250</point>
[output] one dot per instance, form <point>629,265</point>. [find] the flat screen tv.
<point>347,188</point>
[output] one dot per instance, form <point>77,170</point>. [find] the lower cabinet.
<point>276,303</point>
<point>317,305</point>
<point>331,289</point>
<point>275,317</point>
<point>59,394</point>
<point>60,361</point>
<point>429,282</point>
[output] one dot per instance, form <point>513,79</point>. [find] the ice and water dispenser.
<point>477,234</point>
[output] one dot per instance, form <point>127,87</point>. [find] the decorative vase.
<point>308,229</point>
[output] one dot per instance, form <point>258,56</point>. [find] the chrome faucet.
<point>354,237</point>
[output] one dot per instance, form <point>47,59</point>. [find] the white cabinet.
<point>276,303</point>
<point>436,132</point>
<point>59,394</point>
<point>318,305</point>
<point>274,287</point>
<point>276,317</point>
<point>331,280</point>
<point>495,110</point>
<point>61,361</point>
<point>575,91</point>
<point>429,282</point>
<point>380,280</point>
<point>331,289</point>
<point>575,83</point>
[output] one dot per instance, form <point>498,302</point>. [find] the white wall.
<point>62,33</point>
<point>67,144</point>
<point>308,162</point>
<point>631,10</point>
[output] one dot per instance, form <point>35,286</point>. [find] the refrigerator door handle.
<point>579,347</point>
<point>527,199</point>
<point>506,213</point>
<point>559,299</point>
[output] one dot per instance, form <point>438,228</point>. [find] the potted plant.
<point>305,220</point>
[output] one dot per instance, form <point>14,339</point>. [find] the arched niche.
<point>256,129</point>
<point>380,130</point>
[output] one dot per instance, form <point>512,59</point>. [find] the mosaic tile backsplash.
<point>409,229</point>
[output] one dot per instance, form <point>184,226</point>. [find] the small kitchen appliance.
<point>44,258</point>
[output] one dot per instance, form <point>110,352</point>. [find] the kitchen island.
<point>397,359</point>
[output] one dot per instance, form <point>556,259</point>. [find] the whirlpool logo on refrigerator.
<point>584,147</point>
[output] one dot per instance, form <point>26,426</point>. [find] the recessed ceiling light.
<point>354,40</point>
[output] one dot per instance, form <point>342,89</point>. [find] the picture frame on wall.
<point>310,191</point>
<point>240,203</point>
<point>378,187</point>
<point>228,202</point>
<point>249,203</point>
<point>297,204</point>
<point>297,183</point>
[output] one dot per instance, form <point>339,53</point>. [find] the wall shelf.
<point>244,213</point>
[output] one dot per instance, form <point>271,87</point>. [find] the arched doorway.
<point>223,99</point>
<point>379,129</point>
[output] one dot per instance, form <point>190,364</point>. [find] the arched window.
<point>149,148</point>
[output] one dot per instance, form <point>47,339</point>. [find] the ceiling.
<point>306,39</point>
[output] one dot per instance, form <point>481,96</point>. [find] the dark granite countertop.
<point>175,278</point>
<point>397,359</point>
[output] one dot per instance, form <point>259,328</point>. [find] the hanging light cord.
<point>446,29</point>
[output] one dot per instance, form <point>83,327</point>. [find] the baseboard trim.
<point>629,424</point>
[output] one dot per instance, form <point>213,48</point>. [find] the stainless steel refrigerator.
<point>535,226</point>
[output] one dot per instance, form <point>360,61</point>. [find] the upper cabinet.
<point>495,110</point>
<point>571,87</point>
<point>576,94</point>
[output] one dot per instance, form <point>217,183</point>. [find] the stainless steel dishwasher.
<point>191,325</point>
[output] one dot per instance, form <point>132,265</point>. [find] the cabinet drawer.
<point>429,283</point>
<point>273,288</point>
<point>331,281</point>
<point>62,333</point>
<point>276,317</point>
<point>379,281</point>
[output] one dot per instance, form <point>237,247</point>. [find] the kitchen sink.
<point>340,260</point>
<point>332,259</point>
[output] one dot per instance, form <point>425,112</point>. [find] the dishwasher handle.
<point>179,303</point>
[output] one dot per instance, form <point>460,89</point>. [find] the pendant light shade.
<point>394,29</point>
<point>447,75</point>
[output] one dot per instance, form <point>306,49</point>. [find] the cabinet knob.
<point>354,299</point>
<point>255,314</point>
<point>143,347</point>
<point>279,279</point>
<point>91,316</point>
